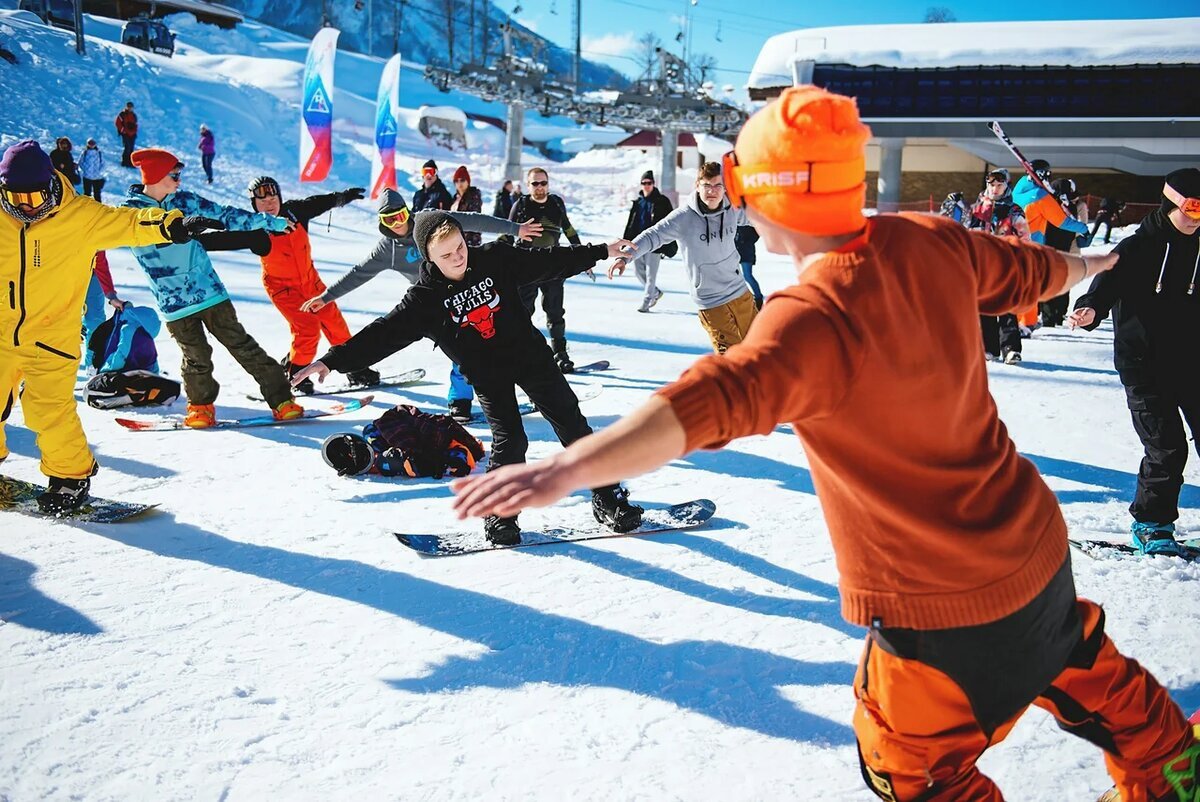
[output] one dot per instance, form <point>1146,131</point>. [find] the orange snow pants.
<point>1029,317</point>
<point>307,327</point>
<point>931,701</point>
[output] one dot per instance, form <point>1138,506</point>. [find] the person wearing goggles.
<point>397,251</point>
<point>193,300</point>
<point>48,237</point>
<point>433,193</point>
<point>1154,298</point>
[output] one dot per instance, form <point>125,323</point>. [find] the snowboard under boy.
<point>467,300</point>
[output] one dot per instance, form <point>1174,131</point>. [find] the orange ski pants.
<point>919,732</point>
<point>307,327</point>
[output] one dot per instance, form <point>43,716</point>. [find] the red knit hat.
<point>800,162</point>
<point>154,163</point>
<point>461,174</point>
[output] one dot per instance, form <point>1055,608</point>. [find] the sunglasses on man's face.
<point>647,183</point>
<point>266,191</point>
<point>539,183</point>
<point>393,219</point>
<point>33,199</point>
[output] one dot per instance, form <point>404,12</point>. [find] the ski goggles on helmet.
<point>817,178</point>
<point>397,218</point>
<point>34,199</point>
<point>1189,206</point>
<point>267,189</point>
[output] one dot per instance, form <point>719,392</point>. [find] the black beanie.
<point>1186,182</point>
<point>425,223</point>
<point>430,163</point>
<point>649,174</point>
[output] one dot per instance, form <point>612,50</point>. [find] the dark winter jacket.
<point>62,161</point>
<point>479,322</point>
<point>1000,216</point>
<point>504,203</point>
<point>471,201</point>
<point>408,442</point>
<point>1154,294</point>
<point>659,207</point>
<point>552,214</point>
<point>435,197</point>
<point>744,240</point>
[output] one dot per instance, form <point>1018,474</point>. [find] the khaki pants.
<point>728,323</point>
<point>48,402</point>
<point>222,323</point>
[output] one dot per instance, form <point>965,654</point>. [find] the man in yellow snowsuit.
<point>48,236</point>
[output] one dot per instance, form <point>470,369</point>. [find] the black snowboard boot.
<point>611,507</point>
<point>561,357</point>
<point>502,531</point>
<point>460,410</point>
<point>303,388</point>
<point>64,496</point>
<point>363,378</point>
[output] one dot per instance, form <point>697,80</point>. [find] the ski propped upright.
<point>678,516</point>
<point>175,423</point>
<point>21,496</point>
<point>1008,143</point>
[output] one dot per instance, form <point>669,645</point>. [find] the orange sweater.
<point>874,358</point>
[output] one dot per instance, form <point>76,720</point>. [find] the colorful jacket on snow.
<point>45,267</point>
<point>182,277</point>
<point>1042,208</point>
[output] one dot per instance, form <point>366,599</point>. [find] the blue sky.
<point>610,27</point>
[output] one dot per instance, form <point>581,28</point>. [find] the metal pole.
<point>514,138</point>
<point>472,18</point>
<point>79,47</point>
<point>396,27</point>
<point>577,13</point>
<point>670,152</point>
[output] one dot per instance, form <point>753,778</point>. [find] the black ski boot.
<point>502,531</point>
<point>363,378</point>
<point>303,388</point>
<point>561,357</point>
<point>611,507</point>
<point>460,410</point>
<point>64,496</point>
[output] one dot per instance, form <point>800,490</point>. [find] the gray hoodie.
<point>710,254</point>
<point>400,253</point>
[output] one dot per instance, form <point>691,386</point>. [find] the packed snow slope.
<point>264,636</point>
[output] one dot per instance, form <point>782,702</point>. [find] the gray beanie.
<point>425,223</point>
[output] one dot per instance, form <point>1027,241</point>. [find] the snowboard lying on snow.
<point>20,496</point>
<point>175,422</point>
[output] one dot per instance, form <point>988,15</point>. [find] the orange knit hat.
<point>154,163</point>
<point>799,161</point>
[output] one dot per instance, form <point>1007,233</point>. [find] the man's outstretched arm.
<point>648,438</point>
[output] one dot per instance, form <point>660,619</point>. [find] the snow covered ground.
<point>264,636</point>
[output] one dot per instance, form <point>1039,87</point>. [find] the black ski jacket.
<point>660,207</point>
<point>479,322</point>
<point>436,197</point>
<point>1154,295</point>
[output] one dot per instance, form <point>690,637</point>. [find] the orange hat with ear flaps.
<point>800,162</point>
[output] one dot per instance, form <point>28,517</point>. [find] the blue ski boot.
<point>1152,538</point>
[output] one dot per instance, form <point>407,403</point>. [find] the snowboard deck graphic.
<point>398,380</point>
<point>1100,549</point>
<point>678,516</point>
<point>175,423</point>
<point>21,496</point>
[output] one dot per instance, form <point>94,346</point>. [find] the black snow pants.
<point>552,305</point>
<point>1158,421</point>
<point>1000,334</point>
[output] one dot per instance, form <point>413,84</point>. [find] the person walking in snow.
<point>64,162</point>
<point>1107,216</point>
<point>433,193</point>
<point>91,169</point>
<point>467,199</point>
<point>1049,224</point>
<point>649,208</point>
<point>548,209</point>
<point>1152,295</point>
<point>397,251</point>
<point>705,226</point>
<point>192,298</point>
<point>466,300</point>
<point>995,213</point>
<point>970,608</point>
<point>208,151</point>
<point>48,237</point>
<point>744,242</point>
<point>505,198</point>
<point>127,128</point>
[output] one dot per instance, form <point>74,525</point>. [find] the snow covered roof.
<point>445,113</point>
<point>972,44</point>
<point>650,139</point>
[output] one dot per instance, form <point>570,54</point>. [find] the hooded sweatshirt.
<point>1154,294</point>
<point>709,243</point>
<point>400,253</point>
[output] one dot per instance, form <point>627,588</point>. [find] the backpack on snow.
<point>138,388</point>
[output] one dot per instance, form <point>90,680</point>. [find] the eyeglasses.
<point>175,176</point>
<point>32,199</point>
<point>394,218</point>
<point>265,191</point>
<point>539,183</point>
<point>647,183</point>
<point>1189,206</point>
<point>803,178</point>
<point>707,187</point>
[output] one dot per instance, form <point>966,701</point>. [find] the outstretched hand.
<point>621,250</point>
<point>313,305</point>
<point>182,229</point>
<point>530,229</point>
<point>351,194</point>
<point>1081,318</point>
<point>317,369</point>
<point>508,490</point>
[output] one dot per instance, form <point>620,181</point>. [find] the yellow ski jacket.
<point>45,266</point>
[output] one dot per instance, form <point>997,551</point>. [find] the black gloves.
<point>351,194</point>
<point>182,229</point>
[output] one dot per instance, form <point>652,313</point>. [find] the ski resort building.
<point>1111,103</point>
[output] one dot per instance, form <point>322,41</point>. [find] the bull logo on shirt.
<point>476,307</point>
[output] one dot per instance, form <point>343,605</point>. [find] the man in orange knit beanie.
<point>950,547</point>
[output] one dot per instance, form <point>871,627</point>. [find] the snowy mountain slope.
<point>263,636</point>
